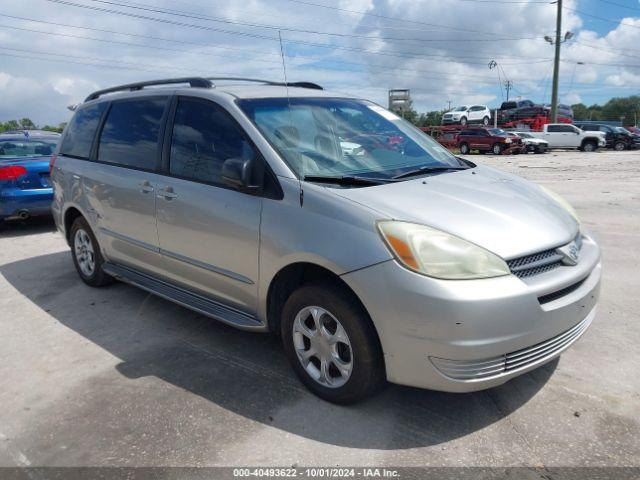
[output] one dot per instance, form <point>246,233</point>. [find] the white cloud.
<point>40,85</point>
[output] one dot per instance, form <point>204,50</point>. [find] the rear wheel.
<point>464,148</point>
<point>86,254</point>
<point>497,149</point>
<point>485,121</point>
<point>619,146</point>
<point>331,343</point>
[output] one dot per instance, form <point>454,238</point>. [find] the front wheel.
<point>463,121</point>
<point>497,149</point>
<point>619,146</point>
<point>86,254</point>
<point>464,149</point>
<point>589,147</point>
<point>331,343</point>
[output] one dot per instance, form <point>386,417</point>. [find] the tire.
<point>464,149</point>
<point>589,146</point>
<point>87,258</point>
<point>463,121</point>
<point>540,150</point>
<point>619,146</point>
<point>360,358</point>
<point>497,148</point>
<point>485,121</point>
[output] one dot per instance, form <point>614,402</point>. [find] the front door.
<point>208,233</point>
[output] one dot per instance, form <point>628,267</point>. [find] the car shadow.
<point>247,373</point>
<point>30,226</point>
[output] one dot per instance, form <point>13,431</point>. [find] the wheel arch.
<point>294,275</point>
<point>70,216</point>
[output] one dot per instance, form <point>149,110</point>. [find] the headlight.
<point>507,140</point>
<point>562,202</point>
<point>438,254</point>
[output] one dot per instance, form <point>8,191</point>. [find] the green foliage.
<point>626,109</point>
<point>428,119</point>
<point>27,124</point>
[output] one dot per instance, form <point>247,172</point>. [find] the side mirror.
<point>237,173</point>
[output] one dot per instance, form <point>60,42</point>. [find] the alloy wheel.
<point>322,346</point>
<point>84,252</point>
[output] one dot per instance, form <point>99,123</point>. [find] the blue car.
<point>25,186</point>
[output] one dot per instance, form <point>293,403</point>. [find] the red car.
<point>494,140</point>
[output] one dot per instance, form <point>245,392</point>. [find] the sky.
<point>55,52</point>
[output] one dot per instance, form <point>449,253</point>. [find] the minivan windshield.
<point>345,137</point>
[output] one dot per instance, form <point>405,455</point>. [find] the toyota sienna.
<point>376,254</point>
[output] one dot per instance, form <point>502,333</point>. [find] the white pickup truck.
<point>564,135</point>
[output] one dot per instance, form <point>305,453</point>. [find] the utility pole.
<point>557,42</point>
<point>556,65</point>
<point>449,107</point>
<point>508,85</point>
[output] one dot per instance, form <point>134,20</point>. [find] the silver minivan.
<point>375,253</point>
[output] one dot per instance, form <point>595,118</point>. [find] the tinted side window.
<point>81,130</point>
<point>130,134</point>
<point>203,137</point>
<point>555,128</point>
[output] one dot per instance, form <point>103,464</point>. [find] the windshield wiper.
<point>427,169</point>
<point>346,180</point>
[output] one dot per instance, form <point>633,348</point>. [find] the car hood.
<point>501,212</point>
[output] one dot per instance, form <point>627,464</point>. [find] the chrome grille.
<point>491,367</point>
<point>535,264</point>
<point>540,262</point>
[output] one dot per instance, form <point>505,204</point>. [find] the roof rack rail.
<point>195,82</point>
<point>310,85</point>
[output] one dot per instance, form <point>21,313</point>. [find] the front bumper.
<point>450,121</point>
<point>36,201</point>
<point>441,335</point>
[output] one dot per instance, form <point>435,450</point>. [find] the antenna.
<point>286,86</point>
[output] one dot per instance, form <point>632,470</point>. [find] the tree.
<point>9,125</point>
<point>26,123</point>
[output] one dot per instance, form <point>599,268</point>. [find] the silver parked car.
<point>389,260</point>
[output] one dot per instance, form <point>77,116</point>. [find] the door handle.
<point>167,193</point>
<point>146,187</point>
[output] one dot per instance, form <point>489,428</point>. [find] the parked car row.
<point>618,138</point>
<point>557,135</point>
<point>509,112</point>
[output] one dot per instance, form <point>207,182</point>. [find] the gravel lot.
<point>117,377</point>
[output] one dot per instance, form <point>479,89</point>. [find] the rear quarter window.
<point>79,135</point>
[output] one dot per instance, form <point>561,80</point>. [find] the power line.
<point>256,25</point>
<point>429,74</point>
<point>401,19</point>
<point>408,55</point>
<point>253,35</point>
